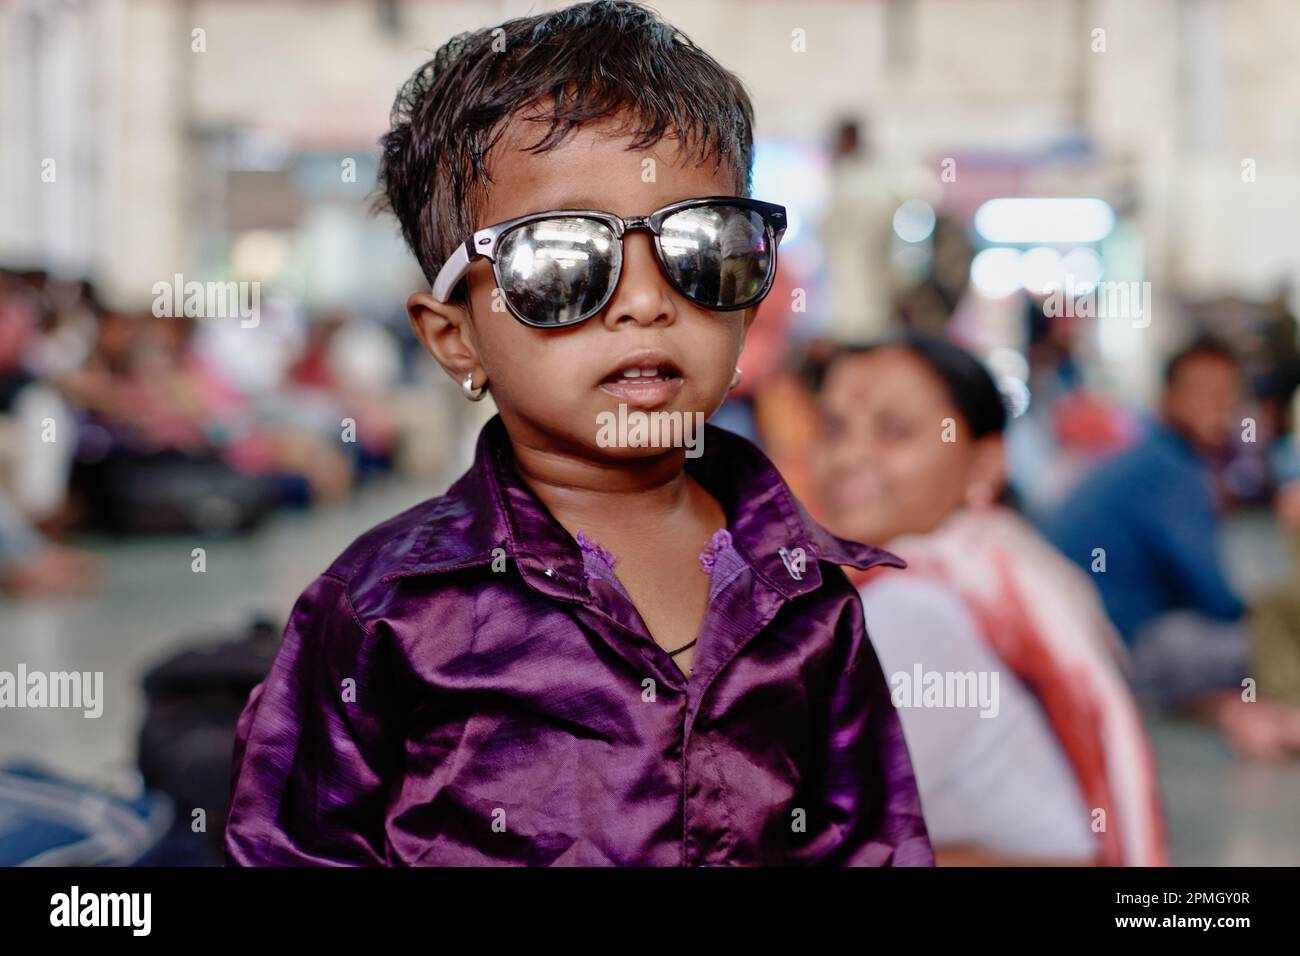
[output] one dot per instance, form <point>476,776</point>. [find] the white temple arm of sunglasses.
<point>452,271</point>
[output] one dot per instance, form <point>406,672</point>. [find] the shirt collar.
<point>1175,440</point>
<point>490,513</point>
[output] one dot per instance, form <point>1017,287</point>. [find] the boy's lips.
<point>644,394</point>
<point>644,378</point>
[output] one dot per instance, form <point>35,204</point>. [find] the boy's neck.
<point>582,493</point>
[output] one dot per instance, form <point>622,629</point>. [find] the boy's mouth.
<point>645,379</point>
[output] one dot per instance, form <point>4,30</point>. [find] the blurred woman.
<point>1055,768</point>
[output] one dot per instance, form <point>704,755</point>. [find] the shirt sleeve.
<point>312,747</point>
<point>867,791</point>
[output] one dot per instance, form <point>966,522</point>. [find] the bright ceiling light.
<point>1042,270</point>
<point>914,220</point>
<point>996,272</point>
<point>1023,220</point>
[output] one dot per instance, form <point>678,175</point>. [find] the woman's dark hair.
<point>565,68</point>
<point>968,383</point>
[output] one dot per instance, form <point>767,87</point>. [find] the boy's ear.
<point>443,328</point>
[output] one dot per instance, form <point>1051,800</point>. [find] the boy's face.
<point>550,385</point>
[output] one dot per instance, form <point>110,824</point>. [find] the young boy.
<point>588,651</point>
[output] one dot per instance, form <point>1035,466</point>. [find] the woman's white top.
<point>988,767</point>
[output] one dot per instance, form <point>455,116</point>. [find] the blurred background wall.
<point>171,144</point>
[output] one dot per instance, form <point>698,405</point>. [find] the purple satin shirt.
<point>467,684</point>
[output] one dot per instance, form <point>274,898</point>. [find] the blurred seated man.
<point>1026,743</point>
<point>1144,524</point>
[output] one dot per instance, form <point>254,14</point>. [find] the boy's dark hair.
<point>583,63</point>
<point>1203,346</point>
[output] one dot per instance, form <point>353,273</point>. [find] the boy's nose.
<point>643,294</point>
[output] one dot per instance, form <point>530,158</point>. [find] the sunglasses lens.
<point>556,271</point>
<point>719,256</point>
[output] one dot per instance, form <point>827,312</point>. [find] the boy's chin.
<point>627,433</point>
<point>620,432</point>
<point>621,455</point>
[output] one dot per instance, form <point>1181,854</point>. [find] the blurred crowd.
<point>121,421</point>
<point>1062,538</point>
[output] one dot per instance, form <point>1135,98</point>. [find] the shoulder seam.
<point>347,597</point>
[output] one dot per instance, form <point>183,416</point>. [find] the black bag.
<point>186,744</point>
<point>172,492</point>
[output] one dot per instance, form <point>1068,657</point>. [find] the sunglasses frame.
<point>483,245</point>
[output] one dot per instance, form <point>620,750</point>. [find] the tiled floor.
<point>1220,812</point>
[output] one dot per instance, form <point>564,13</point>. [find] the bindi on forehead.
<point>886,377</point>
<point>855,378</point>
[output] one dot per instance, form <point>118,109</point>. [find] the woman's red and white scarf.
<point>1043,617</point>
